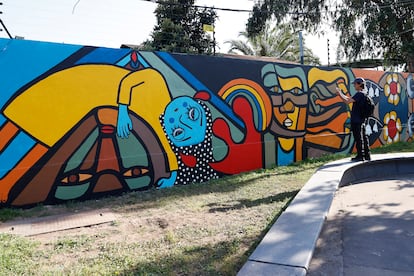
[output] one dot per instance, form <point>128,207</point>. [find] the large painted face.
<point>185,122</point>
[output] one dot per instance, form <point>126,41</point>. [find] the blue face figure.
<point>185,122</point>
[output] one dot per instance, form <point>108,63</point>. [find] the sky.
<point>111,23</point>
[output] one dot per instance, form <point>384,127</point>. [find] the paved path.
<point>369,231</point>
<point>47,224</point>
<point>288,247</point>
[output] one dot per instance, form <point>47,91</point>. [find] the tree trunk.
<point>410,64</point>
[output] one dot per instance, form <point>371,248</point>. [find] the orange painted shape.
<point>80,178</point>
<point>7,182</point>
<point>328,102</point>
<point>298,150</point>
<point>368,74</point>
<point>326,139</point>
<point>7,132</point>
<point>135,172</point>
<point>336,125</point>
<point>108,116</point>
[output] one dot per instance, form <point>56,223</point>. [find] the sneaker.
<point>367,158</point>
<point>357,158</point>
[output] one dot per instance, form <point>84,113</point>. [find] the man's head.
<point>359,84</point>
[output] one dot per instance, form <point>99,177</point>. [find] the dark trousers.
<point>361,139</point>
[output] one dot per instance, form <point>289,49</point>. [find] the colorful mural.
<point>79,122</point>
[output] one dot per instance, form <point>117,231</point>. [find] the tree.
<point>180,28</point>
<point>276,41</point>
<point>378,27</point>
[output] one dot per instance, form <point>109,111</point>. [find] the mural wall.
<point>80,122</point>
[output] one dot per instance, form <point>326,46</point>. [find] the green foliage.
<point>180,28</point>
<point>302,14</point>
<point>395,147</point>
<point>275,41</point>
<point>367,28</point>
<point>12,213</point>
<point>381,28</point>
<point>17,255</point>
<point>71,244</point>
<point>7,213</point>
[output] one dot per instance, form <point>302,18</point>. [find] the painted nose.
<point>183,120</point>
<point>287,107</point>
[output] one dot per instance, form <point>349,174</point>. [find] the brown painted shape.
<point>107,183</point>
<point>107,159</point>
<point>7,183</point>
<point>38,188</point>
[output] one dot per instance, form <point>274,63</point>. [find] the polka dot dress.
<point>203,154</point>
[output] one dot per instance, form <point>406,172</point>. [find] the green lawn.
<point>198,229</point>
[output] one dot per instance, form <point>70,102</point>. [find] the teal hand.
<point>124,123</point>
<point>167,182</point>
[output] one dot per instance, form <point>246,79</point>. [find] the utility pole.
<point>214,40</point>
<point>328,52</point>
<point>301,47</point>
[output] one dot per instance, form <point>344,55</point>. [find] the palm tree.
<point>276,41</point>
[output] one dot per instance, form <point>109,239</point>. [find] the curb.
<point>288,246</point>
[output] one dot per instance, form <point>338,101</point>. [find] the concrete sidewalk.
<point>369,230</point>
<point>288,247</point>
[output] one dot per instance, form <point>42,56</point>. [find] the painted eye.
<point>193,114</point>
<point>177,132</point>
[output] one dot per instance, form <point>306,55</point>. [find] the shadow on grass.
<point>157,198</point>
<point>243,203</point>
<point>223,258</point>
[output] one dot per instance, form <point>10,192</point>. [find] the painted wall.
<point>81,122</point>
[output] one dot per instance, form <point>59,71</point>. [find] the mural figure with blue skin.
<point>187,124</point>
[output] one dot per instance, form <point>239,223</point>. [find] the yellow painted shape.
<point>315,74</point>
<point>287,144</point>
<point>53,106</point>
<point>290,83</point>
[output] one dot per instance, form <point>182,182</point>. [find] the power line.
<point>195,6</point>
<point>5,28</point>
<point>74,6</point>
<point>2,23</point>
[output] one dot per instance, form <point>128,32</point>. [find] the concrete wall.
<point>78,122</point>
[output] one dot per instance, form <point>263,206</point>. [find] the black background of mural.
<point>212,69</point>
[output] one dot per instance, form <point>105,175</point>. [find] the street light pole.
<point>301,47</point>
<point>328,52</point>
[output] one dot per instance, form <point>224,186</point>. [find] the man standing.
<point>357,119</point>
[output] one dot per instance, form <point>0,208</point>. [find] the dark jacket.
<point>357,107</point>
